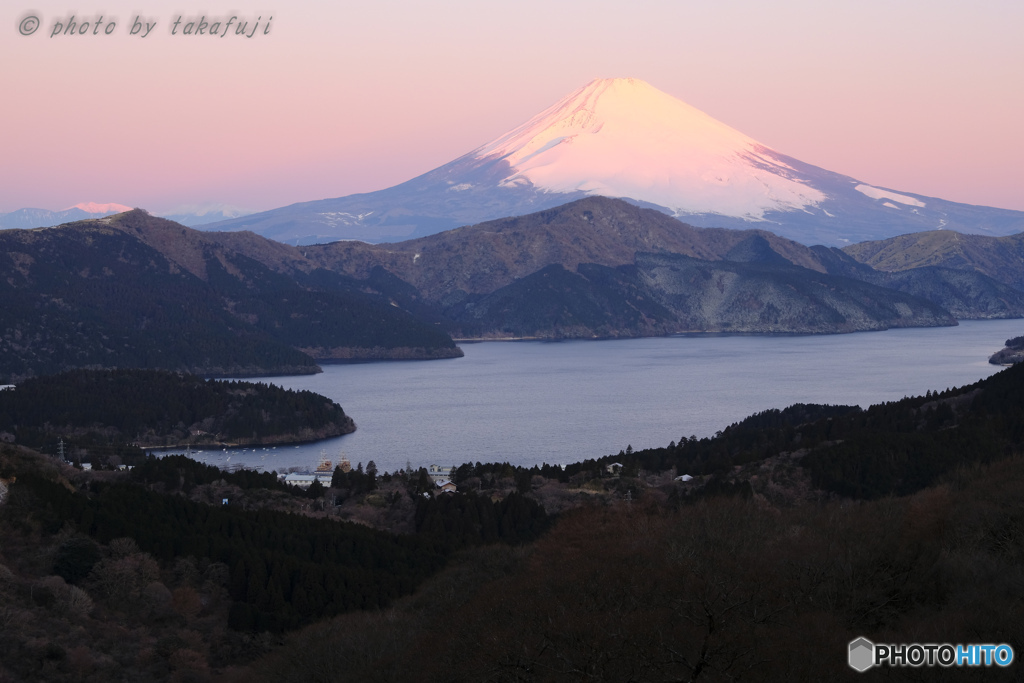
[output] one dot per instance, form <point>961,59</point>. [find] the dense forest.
<point>132,552</point>
<point>723,589</point>
<point>100,298</point>
<point>100,411</point>
<point>795,531</point>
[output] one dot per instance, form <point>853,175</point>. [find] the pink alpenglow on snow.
<point>621,137</point>
<point>93,207</point>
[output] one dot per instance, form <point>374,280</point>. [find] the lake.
<point>560,402</point>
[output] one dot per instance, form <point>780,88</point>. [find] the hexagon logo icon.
<point>862,654</point>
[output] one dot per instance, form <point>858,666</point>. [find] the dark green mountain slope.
<point>284,294</point>
<point>136,291</point>
<point>91,296</point>
<point>894,448</point>
<point>772,297</point>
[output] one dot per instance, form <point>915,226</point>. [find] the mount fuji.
<point>624,138</point>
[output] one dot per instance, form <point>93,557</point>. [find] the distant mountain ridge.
<point>672,294</point>
<point>133,290</point>
<point>499,278</point>
<point>480,258</point>
<point>623,138</point>
<point>1000,258</point>
<point>482,277</point>
<point>464,267</point>
<point>195,215</point>
<point>26,219</point>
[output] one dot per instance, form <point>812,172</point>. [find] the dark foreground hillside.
<point>794,532</point>
<point>798,531</point>
<point>723,590</point>
<point>148,575</point>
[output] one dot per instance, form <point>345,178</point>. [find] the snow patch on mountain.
<point>343,218</point>
<point>878,193</point>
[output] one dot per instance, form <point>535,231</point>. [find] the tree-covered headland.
<point>99,412</point>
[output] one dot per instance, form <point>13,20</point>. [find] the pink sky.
<point>338,98</point>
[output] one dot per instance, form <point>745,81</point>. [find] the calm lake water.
<point>560,402</point>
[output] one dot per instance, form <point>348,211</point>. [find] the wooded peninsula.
<point>100,412</point>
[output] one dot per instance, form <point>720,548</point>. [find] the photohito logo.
<point>863,654</point>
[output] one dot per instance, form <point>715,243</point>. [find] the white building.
<point>304,480</point>
<point>438,474</point>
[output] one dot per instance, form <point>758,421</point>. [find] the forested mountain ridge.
<point>289,297</point>
<point>596,267</point>
<point>481,258</point>
<point>670,293</point>
<point>966,293</point>
<point>92,296</point>
<point>1001,258</point>
<point>493,279</point>
<point>893,448</point>
<point>95,294</point>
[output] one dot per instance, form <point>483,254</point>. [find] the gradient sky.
<point>344,97</point>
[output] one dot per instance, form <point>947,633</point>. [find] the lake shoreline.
<point>535,401</point>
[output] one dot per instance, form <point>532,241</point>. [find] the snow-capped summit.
<point>103,209</point>
<point>624,138</point>
<point>620,137</point>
